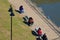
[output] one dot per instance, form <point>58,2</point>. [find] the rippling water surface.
<point>52,11</point>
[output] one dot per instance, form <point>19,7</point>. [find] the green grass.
<point>20,30</point>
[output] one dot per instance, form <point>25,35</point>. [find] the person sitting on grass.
<point>44,37</point>
<point>39,32</point>
<point>21,9</point>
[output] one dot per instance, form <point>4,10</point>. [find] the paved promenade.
<point>38,20</point>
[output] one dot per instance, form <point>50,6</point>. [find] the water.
<point>52,11</point>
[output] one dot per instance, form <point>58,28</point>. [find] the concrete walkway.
<point>38,21</point>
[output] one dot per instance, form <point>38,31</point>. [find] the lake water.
<point>52,11</point>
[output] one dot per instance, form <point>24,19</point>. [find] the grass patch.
<point>20,30</point>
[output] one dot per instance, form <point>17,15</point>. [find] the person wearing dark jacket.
<point>21,9</point>
<point>44,37</point>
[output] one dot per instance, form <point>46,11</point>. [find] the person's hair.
<point>39,28</point>
<point>21,6</point>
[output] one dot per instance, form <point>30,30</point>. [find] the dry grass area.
<point>20,30</point>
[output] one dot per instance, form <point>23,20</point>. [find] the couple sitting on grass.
<point>41,36</point>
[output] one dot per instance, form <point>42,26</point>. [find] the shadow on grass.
<point>34,33</point>
<point>18,11</point>
<point>26,23</point>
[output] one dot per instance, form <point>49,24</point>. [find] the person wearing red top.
<point>39,32</point>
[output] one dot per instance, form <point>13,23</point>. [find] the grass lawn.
<point>20,30</point>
